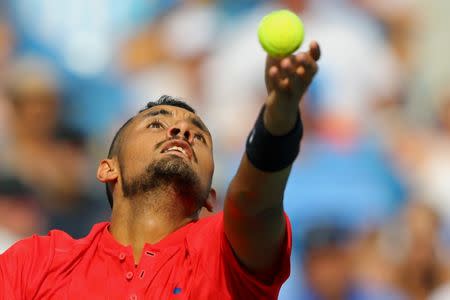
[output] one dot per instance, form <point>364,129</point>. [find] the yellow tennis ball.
<point>281,33</point>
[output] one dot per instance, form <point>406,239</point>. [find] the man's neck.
<point>147,220</point>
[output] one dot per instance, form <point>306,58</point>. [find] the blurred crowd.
<point>369,196</point>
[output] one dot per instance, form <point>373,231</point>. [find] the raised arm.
<point>254,219</point>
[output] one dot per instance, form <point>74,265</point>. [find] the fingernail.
<point>285,63</point>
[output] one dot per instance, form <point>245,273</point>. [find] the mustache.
<point>159,145</point>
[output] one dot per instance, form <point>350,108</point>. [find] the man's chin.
<point>169,171</point>
<point>172,164</point>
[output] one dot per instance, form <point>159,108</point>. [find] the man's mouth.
<point>179,148</point>
<point>175,148</point>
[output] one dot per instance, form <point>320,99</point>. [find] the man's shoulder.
<point>55,241</point>
<point>208,223</point>
<point>62,239</point>
<point>205,232</point>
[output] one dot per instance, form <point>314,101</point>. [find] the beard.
<point>170,173</point>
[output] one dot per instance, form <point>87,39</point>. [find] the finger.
<point>306,61</point>
<point>286,64</point>
<point>310,66</point>
<point>283,83</point>
<point>314,50</point>
<point>272,61</point>
<point>300,71</point>
<point>287,67</point>
<point>300,57</point>
<point>273,71</point>
<point>314,68</point>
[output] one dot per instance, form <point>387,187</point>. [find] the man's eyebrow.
<point>158,112</point>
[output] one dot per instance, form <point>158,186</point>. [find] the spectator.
<point>19,213</point>
<point>421,270</point>
<point>40,151</point>
<point>328,261</point>
<point>326,264</point>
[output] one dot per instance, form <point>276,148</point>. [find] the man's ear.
<point>107,172</point>
<point>209,205</point>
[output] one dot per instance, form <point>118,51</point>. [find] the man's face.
<point>167,146</point>
<point>327,272</point>
<point>37,104</point>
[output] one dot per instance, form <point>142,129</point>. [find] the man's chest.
<point>170,275</point>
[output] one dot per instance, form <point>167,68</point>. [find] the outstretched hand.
<point>287,80</point>
<point>289,77</point>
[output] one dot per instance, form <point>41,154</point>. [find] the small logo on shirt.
<point>177,291</point>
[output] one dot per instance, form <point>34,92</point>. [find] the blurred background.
<point>369,196</point>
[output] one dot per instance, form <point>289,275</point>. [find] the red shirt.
<point>195,262</point>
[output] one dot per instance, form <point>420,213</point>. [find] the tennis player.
<point>158,177</point>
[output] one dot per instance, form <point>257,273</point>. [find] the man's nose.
<point>180,130</point>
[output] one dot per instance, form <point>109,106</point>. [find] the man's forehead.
<point>169,110</point>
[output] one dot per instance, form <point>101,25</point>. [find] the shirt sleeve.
<point>248,285</point>
<point>23,267</point>
<point>224,268</point>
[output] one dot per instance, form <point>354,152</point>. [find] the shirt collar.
<point>174,239</point>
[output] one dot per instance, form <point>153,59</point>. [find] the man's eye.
<point>200,138</point>
<point>155,125</point>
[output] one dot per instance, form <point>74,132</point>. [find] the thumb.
<point>314,50</point>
